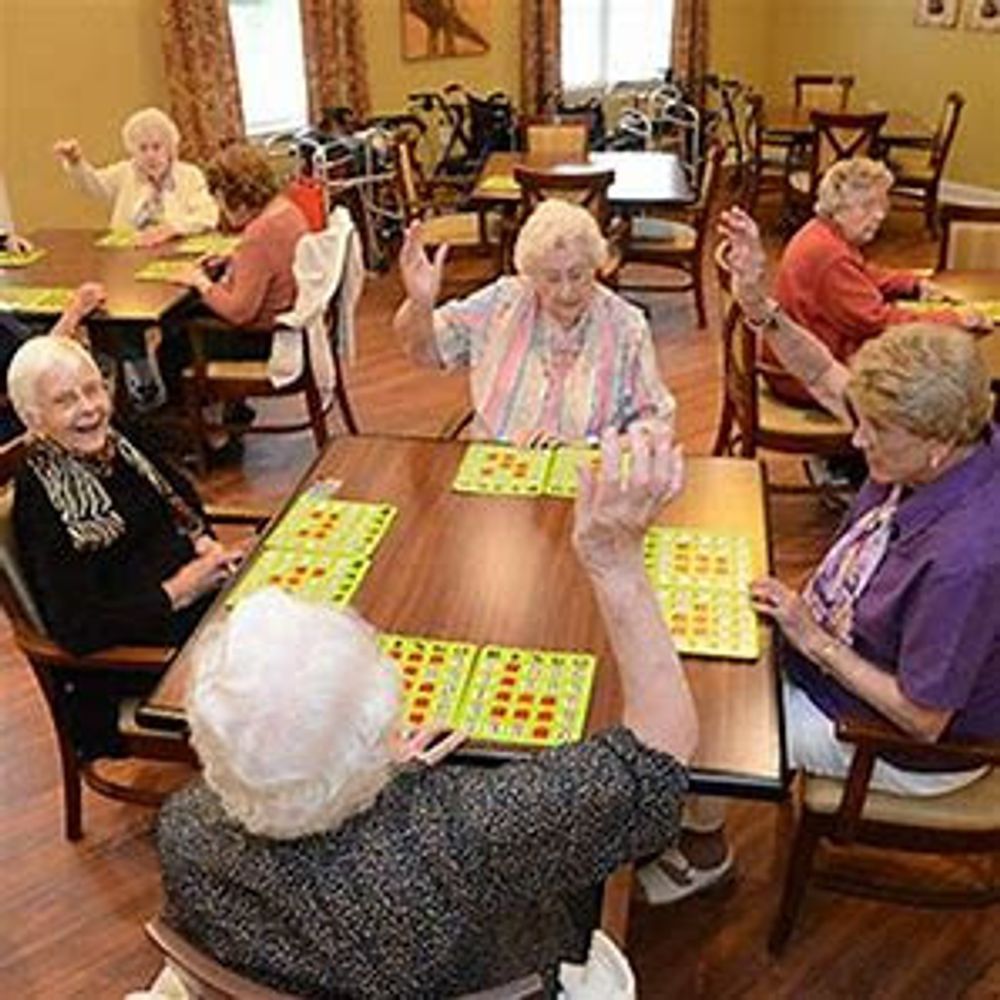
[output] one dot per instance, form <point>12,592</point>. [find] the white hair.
<point>35,358</point>
<point>291,708</point>
<point>146,121</point>
<point>555,224</point>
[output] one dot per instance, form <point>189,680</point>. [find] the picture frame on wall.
<point>983,15</point>
<point>936,13</point>
<point>440,29</point>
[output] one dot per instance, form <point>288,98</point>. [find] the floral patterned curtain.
<point>689,44</point>
<point>540,71</point>
<point>202,84</point>
<point>336,66</point>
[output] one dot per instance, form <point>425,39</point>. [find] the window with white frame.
<point>267,36</point>
<point>613,41</point>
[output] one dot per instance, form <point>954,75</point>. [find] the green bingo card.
<point>311,576</point>
<point>20,258</point>
<point>434,674</point>
<point>216,244</point>
<point>117,239</point>
<point>41,300</point>
<point>502,470</point>
<point>318,522</point>
<point>163,270</point>
<point>702,579</point>
<point>532,697</point>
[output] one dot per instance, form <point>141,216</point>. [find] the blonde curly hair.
<point>848,180</point>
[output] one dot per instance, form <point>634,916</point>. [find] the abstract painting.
<point>435,29</point>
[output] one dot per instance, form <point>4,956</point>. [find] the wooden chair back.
<point>825,91</point>
<point>410,182</point>
<point>555,137</point>
<point>944,135</point>
<point>840,136</point>
<point>848,812</point>
<point>970,238</point>
<point>587,188</point>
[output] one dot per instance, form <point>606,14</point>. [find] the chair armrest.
<point>39,649</point>
<point>222,514</point>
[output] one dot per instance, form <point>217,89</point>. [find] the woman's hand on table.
<point>192,277</point>
<point>14,243</point>
<point>617,504</point>
<point>421,275</point>
<point>69,151</point>
<point>535,439</point>
<point>213,565</point>
<point>790,612</point>
<point>155,236</point>
<point>746,260</point>
<point>974,320</point>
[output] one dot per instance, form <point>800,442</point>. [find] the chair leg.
<point>72,792</point>
<point>699,295</point>
<point>800,861</point>
<point>196,424</point>
<point>722,443</point>
<point>340,391</point>
<point>317,419</point>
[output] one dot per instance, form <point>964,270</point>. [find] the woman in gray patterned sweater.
<point>310,858</point>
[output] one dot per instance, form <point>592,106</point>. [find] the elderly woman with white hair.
<point>113,546</point>
<point>554,356</point>
<point>314,857</point>
<point>152,191</point>
<point>824,282</point>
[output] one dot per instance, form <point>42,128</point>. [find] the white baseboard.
<point>969,194</point>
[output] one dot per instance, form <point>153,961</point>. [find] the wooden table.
<point>502,570</point>
<point>72,258</point>
<point>902,128</point>
<point>977,286</point>
<point>642,179</point>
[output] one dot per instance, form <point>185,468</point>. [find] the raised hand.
<point>615,507</point>
<point>421,276</point>
<point>68,150</point>
<point>746,259</point>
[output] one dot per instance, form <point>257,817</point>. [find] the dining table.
<point>979,286</point>
<point>792,123</point>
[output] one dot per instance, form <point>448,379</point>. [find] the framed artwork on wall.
<point>983,15</point>
<point>936,13</point>
<point>437,29</point>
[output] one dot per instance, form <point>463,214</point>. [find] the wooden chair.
<point>555,137</point>
<point>918,171</point>
<point>677,242</point>
<point>206,979</point>
<point>586,188</point>
<point>826,91</point>
<point>970,238</point>
<point>752,417</point>
<point>50,663</point>
<point>219,381</point>
<point>848,813</point>
<point>835,136</point>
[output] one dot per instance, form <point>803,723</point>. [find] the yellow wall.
<point>896,63</point>
<point>71,68</point>
<point>391,77</point>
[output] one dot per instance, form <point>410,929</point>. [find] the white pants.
<point>814,748</point>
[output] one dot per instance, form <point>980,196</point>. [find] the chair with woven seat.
<point>835,136</point>
<point>970,238</point>
<point>918,170</point>
<point>825,91</point>
<point>50,663</point>
<point>752,416</point>
<point>307,349</point>
<point>848,813</point>
<point>677,241</point>
<point>555,137</point>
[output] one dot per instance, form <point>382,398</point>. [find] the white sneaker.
<point>671,877</point>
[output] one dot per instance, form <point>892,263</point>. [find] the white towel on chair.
<point>323,261</point>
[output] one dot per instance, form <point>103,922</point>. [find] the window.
<point>267,36</point>
<point>610,41</point>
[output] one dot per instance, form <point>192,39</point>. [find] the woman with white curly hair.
<point>554,356</point>
<point>320,854</point>
<point>152,191</point>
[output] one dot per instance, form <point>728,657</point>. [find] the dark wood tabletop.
<point>73,257</point>
<point>642,179</point>
<point>972,287</point>
<point>901,127</point>
<point>501,570</point>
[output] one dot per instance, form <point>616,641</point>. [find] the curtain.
<point>336,66</point>
<point>202,84</point>
<point>689,44</point>
<point>540,75</point>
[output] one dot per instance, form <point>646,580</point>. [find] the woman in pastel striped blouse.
<point>553,355</point>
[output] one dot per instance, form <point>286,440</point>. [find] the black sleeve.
<point>66,584</point>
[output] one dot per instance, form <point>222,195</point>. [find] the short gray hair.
<point>556,224</point>
<point>147,120</point>
<point>35,358</point>
<point>924,377</point>
<point>848,180</point>
<point>291,708</point>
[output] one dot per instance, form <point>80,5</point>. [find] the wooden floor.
<point>71,915</point>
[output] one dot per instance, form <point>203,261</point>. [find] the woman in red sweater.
<point>825,284</point>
